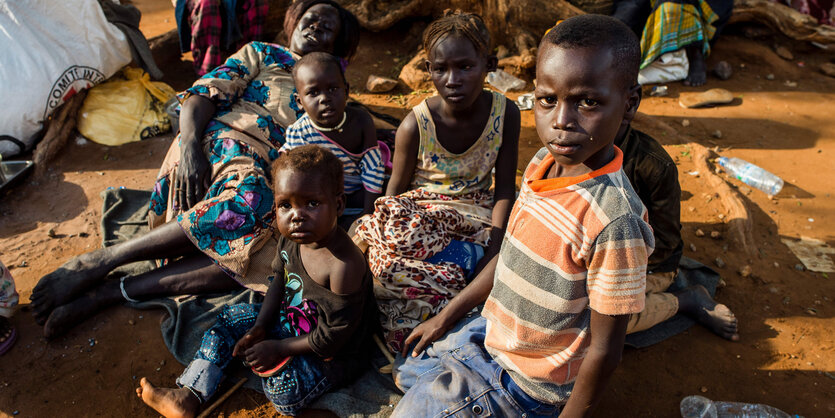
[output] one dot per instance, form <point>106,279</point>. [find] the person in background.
<point>668,26</point>
<point>213,29</point>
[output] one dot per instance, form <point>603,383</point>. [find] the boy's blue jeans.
<point>297,385</point>
<point>456,376</point>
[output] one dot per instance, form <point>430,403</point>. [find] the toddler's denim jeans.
<point>293,388</point>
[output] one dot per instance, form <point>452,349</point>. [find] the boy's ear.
<point>427,66</point>
<point>633,100</point>
<point>297,99</point>
<point>492,63</point>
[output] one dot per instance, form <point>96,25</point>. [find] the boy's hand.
<point>255,335</point>
<point>425,333</point>
<point>265,354</point>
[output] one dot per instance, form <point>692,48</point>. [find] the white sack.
<point>49,50</point>
<point>669,67</point>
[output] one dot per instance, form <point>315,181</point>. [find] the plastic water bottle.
<point>701,407</point>
<point>752,175</point>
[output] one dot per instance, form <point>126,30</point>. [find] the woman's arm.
<point>193,171</point>
<point>406,143</point>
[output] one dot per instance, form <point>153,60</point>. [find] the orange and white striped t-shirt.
<point>572,244</point>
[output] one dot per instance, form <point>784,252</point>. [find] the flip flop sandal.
<point>710,97</point>
<point>273,371</point>
<point>10,340</point>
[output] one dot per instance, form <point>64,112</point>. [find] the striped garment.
<point>572,244</point>
<point>365,169</point>
<point>673,25</point>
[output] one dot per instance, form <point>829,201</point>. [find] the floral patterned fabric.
<point>402,233</point>
<point>234,221</point>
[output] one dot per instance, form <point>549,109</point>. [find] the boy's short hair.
<point>468,25</point>
<point>313,159</point>
<point>599,31</point>
<point>319,58</point>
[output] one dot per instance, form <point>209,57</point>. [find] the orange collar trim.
<point>540,184</point>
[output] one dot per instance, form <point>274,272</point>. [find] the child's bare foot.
<point>170,402</point>
<point>696,302</point>
<point>65,283</point>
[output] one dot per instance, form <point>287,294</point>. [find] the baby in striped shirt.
<point>348,132</point>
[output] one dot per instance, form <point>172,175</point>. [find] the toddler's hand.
<point>253,336</point>
<point>265,354</point>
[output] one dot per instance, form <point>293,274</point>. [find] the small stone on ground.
<point>377,84</point>
<point>723,70</point>
<point>784,53</point>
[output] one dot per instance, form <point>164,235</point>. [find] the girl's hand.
<point>253,336</point>
<point>265,354</point>
<point>192,179</point>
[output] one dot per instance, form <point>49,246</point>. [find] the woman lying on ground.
<point>211,211</point>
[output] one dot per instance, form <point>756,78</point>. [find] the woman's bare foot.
<point>696,302</point>
<point>697,74</point>
<point>66,316</point>
<point>169,402</point>
<point>65,283</point>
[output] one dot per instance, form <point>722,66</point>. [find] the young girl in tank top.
<point>439,215</point>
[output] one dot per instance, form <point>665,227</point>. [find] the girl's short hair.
<point>349,34</point>
<point>313,159</point>
<point>469,25</point>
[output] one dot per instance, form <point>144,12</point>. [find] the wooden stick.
<point>383,348</point>
<point>388,367</point>
<point>220,400</point>
<point>58,131</point>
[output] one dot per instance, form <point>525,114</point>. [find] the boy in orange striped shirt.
<point>572,265</point>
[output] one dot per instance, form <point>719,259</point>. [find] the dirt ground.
<point>785,356</point>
